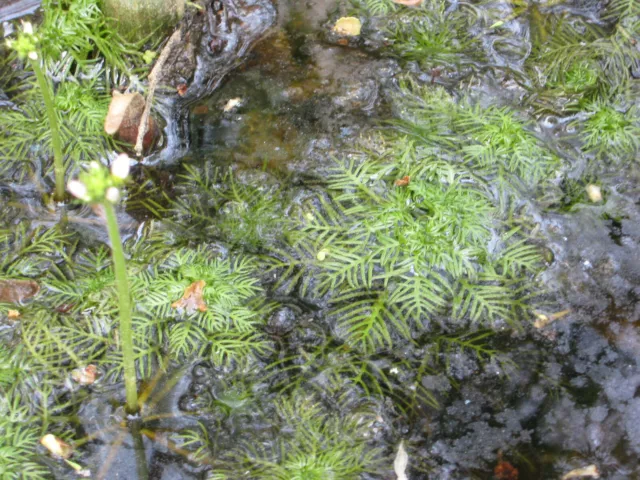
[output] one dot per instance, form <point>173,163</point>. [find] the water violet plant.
<point>99,186</point>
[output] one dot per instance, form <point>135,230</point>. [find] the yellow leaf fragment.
<point>192,298</point>
<point>590,472</point>
<point>86,375</point>
<point>13,314</point>
<point>401,462</point>
<point>594,193</point>
<point>56,446</point>
<point>232,104</point>
<point>408,3</point>
<point>349,26</point>
<point>543,320</point>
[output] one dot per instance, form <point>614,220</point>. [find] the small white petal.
<point>120,166</point>
<point>94,165</point>
<point>33,55</point>
<point>77,189</point>
<point>27,28</point>
<point>112,194</point>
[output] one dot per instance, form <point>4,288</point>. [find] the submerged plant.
<point>609,132</point>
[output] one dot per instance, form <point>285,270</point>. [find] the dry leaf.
<point>408,3</point>
<point>56,446</point>
<point>182,89</point>
<point>123,119</point>
<point>13,314</point>
<point>349,26</point>
<point>505,471</point>
<point>232,103</point>
<point>15,291</point>
<point>402,182</point>
<point>591,471</point>
<point>594,193</point>
<point>86,375</point>
<point>401,462</point>
<point>543,320</point>
<point>192,298</point>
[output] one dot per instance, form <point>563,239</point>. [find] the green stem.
<point>58,163</point>
<point>124,298</point>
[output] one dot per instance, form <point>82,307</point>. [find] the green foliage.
<point>18,440</point>
<point>211,202</point>
<point>433,36</point>
<point>374,7</point>
<point>609,132</point>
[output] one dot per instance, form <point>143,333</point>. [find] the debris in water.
<point>408,3</point>
<point>402,182</point>
<point>594,193</point>
<point>505,471</point>
<point>232,103</point>
<point>591,471</point>
<point>16,291</point>
<point>56,446</point>
<point>349,26</point>
<point>401,462</point>
<point>86,375</point>
<point>123,119</point>
<point>192,298</point>
<point>13,314</point>
<point>182,89</point>
<point>543,320</point>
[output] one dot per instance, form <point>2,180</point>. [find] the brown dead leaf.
<point>505,471</point>
<point>408,3</point>
<point>182,89</point>
<point>86,375</point>
<point>192,298</point>
<point>402,182</point>
<point>123,119</point>
<point>56,446</point>
<point>16,291</point>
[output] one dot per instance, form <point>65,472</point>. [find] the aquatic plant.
<point>610,132</point>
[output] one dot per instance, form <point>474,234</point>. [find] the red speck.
<point>505,471</point>
<point>182,89</point>
<point>402,182</point>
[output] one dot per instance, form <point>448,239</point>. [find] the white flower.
<point>94,165</point>
<point>78,190</point>
<point>120,166</point>
<point>27,28</point>
<point>33,55</point>
<point>112,194</point>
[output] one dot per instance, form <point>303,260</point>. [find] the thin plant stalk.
<point>58,162</point>
<point>124,298</point>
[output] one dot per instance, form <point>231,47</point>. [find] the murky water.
<point>555,399</point>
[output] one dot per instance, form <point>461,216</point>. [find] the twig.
<point>154,78</point>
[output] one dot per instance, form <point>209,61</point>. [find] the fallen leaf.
<point>505,471</point>
<point>408,3</point>
<point>86,375</point>
<point>200,110</point>
<point>192,298</point>
<point>15,291</point>
<point>232,103</point>
<point>402,182</point>
<point>182,89</point>
<point>56,446</point>
<point>543,320</point>
<point>349,26</point>
<point>594,193</point>
<point>123,119</point>
<point>13,314</point>
<point>590,471</point>
<point>401,462</point>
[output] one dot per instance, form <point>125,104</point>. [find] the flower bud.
<point>112,194</point>
<point>78,190</point>
<point>120,166</point>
